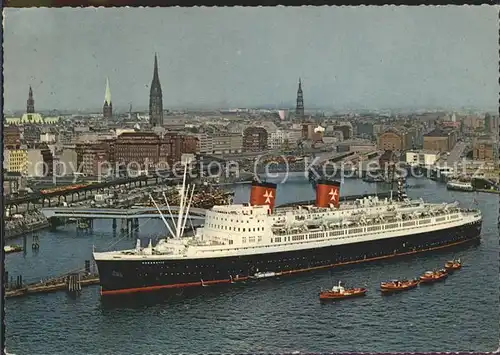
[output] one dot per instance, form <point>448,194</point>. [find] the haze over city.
<point>348,58</point>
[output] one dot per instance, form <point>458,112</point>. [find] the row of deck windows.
<point>239,229</point>
<point>251,239</point>
<point>232,221</point>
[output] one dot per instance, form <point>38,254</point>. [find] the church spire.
<point>107,109</point>
<point>107,95</point>
<point>155,98</point>
<point>155,70</point>
<point>30,103</point>
<point>299,109</point>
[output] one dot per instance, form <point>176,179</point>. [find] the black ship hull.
<point>119,277</point>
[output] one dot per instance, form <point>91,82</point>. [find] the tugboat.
<point>338,292</point>
<point>434,276</point>
<point>453,265</point>
<point>458,185</point>
<point>397,285</point>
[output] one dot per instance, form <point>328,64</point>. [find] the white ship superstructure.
<point>240,229</point>
<point>255,239</point>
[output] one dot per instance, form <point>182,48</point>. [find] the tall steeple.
<point>107,109</point>
<point>299,109</point>
<point>30,103</point>
<point>155,98</point>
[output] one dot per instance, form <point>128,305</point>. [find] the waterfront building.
<point>16,161</point>
<point>391,139</point>
<point>11,137</point>
<point>255,139</point>
<point>227,143</point>
<point>205,143</point>
<point>140,148</point>
<point>40,162</point>
<point>421,157</point>
<point>483,148</point>
<point>68,160</point>
<point>440,139</point>
<point>88,157</point>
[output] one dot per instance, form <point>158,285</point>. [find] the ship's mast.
<point>181,204</point>
<point>162,217</point>
<point>187,210</point>
<point>169,209</point>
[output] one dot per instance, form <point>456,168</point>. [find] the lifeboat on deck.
<point>434,276</point>
<point>338,292</point>
<point>398,285</point>
<point>453,265</point>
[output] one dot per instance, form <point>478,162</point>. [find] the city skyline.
<point>251,57</point>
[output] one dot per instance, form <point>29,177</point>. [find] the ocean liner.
<point>257,240</point>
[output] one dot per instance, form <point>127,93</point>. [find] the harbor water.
<point>272,315</point>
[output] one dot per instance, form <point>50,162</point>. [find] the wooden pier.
<point>52,286</point>
<point>72,283</point>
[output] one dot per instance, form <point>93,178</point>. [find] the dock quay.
<point>23,230</point>
<point>490,191</point>
<point>72,283</point>
<point>53,286</point>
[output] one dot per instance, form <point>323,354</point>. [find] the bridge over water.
<point>151,212</point>
<point>116,213</point>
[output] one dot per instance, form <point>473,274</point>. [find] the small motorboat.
<point>453,265</point>
<point>12,249</point>
<point>338,292</point>
<point>434,276</point>
<point>398,285</point>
